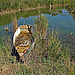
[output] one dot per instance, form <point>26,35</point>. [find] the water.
<point>60,19</point>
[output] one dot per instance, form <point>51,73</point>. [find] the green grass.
<point>22,4</point>
<point>6,19</point>
<point>49,57</point>
<point>10,5</point>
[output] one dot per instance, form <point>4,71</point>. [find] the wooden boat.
<point>23,40</point>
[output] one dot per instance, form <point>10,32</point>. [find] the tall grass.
<point>15,25</point>
<point>49,56</point>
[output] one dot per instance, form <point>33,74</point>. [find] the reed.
<point>15,25</point>
<point>49,56</point>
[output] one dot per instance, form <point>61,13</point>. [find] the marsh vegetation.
<point>49,56</point>
<point>7,5</point>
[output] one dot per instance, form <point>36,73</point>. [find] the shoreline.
<point>19,10</point>
<point>33,8</point>
<point>27,9</point>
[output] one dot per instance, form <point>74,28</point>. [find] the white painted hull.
<point>22,40</point>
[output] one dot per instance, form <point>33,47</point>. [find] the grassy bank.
<point>6,19</point>
<point>7,5</point>
<point>49,57</point>
<point>21,4</point>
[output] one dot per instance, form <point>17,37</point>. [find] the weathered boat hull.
<point>22,40</point>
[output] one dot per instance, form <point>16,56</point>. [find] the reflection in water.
<point>60,19</point>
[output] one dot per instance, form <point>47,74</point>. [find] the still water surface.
<point>60,19</point>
